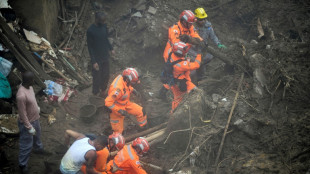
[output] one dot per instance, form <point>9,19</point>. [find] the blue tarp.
<point>5,88</point>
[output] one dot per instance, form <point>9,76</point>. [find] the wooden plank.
<point>21,49</point>
<point>21,59</point>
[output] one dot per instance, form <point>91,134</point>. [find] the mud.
<point>269,129</point>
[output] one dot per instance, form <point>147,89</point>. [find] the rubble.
<point>152,10</point>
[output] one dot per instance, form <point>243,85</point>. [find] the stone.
<point>137,14</point>
<point>152,10</point>
<point>216,97</point>
<point>254,42</point>
<point>268,47</point>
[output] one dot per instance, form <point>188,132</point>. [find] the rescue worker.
<point>118,100</point>
<point>181,72</point>
<point>206,32</point>
<point>127,160</point>
<point>182,31</point>
<point>82,151</point>
<point>115,143</point>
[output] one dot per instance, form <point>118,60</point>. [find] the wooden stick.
<point>228,121</point>
<point>52,67</point>
<point>152,166</point>
<point>143,133</point>
<point>260,29</point>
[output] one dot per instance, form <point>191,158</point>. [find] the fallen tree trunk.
<point>223,57</point>
<point>143,133</point>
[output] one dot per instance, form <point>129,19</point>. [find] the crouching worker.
<point>181,72</point>
<point>118,100</point>
<point>115,143</point>
<point>127,160</point>
<point>82,151</point>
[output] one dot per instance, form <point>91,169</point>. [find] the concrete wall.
<point>39,16</point>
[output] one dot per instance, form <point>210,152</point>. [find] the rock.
<point>259,81</point>
<point>257,60</point>
<point>137,14</point>
<point>152,10</point>
<point>268,47</point>
<point>252,128</point>
<point>254,42</point>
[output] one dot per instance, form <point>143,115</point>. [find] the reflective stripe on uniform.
<point>114,121</point>
<point>197,61</point>
<point>124,96</point>
<point>129,152</point>
<point>121,103</point>
<point>116,81</point>
<point>111,107</point>
<point>117,166</point>
<point>179,65</point>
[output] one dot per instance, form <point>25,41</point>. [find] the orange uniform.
<point>127,162</point>
<point>101,162</point>
<point>174,33</point>
<point>181,71</point>
<point>118,98</point>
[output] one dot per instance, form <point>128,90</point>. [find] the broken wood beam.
<point>143,133</point>
<point>21,59</point>
<point>152,166</point>
<point>15,41</point>
<point>228,122</point>
<point>222,56</point>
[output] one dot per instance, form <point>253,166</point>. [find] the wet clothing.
<point>28,110</point>
<point>127,162</point>
<point>98,43</point>
<point>75,156</point>
<point>207,32</point>
<point>173,36</point>
<point>28,117</point>
<point>101,162</point>
<point>101,77</point>
<point>27,141</point>
<point>98,48</point>
<point>119,98</point>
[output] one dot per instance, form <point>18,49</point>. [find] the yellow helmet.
<point>200,13</point>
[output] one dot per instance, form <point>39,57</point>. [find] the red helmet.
<point>180,49</point>
<point>187,18</point>
<point>118,140</point>
<point>131,74</point>
<point>142,144</point>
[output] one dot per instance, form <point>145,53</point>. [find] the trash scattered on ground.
<point>8,124</point>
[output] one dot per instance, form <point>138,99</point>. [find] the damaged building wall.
<point>38,15</point>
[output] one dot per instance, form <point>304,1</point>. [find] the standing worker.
<point>99,48</point>
<point>127,160</point>
<point>182,31</point>
<point>28,121</point>
<point>181,72</point>
<point>206,32</point>
<point>118,100</point>
<point>82,151</point>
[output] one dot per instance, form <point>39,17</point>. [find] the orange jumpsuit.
<point>182,70</point>
<point>101,161</point>
<point>127,162</point>
<point>173,36</point>
<point>118,98</point>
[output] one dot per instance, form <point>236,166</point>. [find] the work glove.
<point>221,46</point>
<point>135,92</point>
<point>144,111</point>
<point>32,131</point>
<point>123,113</point>
<point>185,38</point>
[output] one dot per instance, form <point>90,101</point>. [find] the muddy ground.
<point>268,132</point>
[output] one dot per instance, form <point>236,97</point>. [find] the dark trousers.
<point>101,77</point>
<point>27,141</point>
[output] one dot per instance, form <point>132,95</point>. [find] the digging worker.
<point>28,121</point>
<point>82,151</point>
<point>99,48</point>
<point>181,72</point>
<point>127,160</point>
<point>206,32</point>
<point>115,143</point>
<point>118,100</point>
<point>182,31</point>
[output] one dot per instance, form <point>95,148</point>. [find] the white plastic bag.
<point>5,66</point>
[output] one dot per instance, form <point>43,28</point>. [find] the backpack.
<point>167,73</point>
